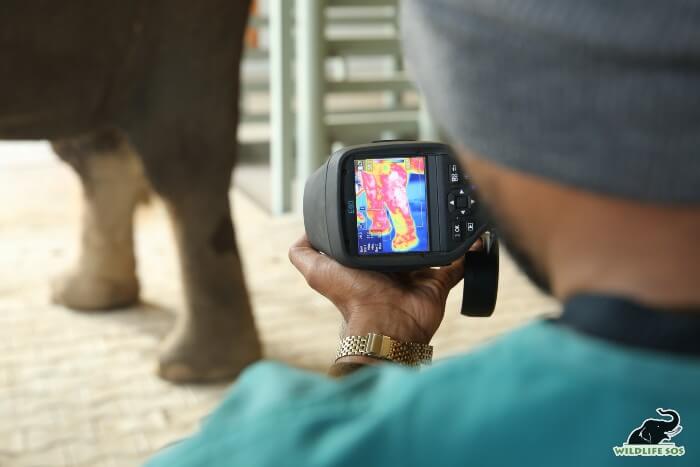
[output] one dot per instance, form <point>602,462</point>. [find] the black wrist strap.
<point>481,278</point>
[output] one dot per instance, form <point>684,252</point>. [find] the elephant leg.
<point>215,337</point>
<point>183,121</point>
<point>113,183</point>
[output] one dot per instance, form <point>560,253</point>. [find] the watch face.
<point>391,206</point>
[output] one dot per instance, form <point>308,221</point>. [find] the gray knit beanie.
<point>598,94</point>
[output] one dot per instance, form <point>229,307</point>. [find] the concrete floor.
<point>79,389</point>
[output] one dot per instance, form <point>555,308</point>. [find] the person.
<point>580,124</point>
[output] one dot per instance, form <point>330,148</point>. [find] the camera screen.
<point>391,205</point>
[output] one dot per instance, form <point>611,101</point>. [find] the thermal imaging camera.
<point>400,206</point>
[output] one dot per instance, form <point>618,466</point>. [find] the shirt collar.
<point>628,323</point>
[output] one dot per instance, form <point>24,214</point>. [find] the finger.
<point>302,241</point>
<point>303,256</point>
<point>310,263</point>
<point>477,245</point>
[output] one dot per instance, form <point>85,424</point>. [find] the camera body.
<point>392,206</point>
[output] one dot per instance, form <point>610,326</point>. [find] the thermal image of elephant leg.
<point>379,222</point>
<point>394,186</point>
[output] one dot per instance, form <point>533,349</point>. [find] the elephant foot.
<point>86,292</point>
<point>208,354</point>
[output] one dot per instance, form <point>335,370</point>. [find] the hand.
<point>405,306</point>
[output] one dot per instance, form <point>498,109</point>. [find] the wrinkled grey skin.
<point>655,431</point>
<point>137,95</point>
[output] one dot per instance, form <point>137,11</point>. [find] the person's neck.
<point>647,254</point>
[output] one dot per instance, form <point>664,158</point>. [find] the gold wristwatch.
<point>385,348</point>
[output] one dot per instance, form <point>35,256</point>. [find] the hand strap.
<point>385,348</point>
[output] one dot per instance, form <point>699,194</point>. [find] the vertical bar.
<point>281,117</point>
<point>392,99</point>
<point>312,139</point>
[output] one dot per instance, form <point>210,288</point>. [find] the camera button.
<point>456,231</point>
<point>454,174</point>
<point>451,202</point>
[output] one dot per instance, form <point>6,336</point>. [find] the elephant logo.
<point>653,437</point>
<point>656,431</point>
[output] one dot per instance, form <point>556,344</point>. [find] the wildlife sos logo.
<point>653,437</point>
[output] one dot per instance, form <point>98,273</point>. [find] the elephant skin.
<point>137,96</point>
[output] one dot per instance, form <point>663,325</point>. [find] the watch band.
<point>385,348</point>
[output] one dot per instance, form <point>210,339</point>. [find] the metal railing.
<point>311,45</point>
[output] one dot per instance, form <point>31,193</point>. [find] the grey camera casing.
<point>331,226</point>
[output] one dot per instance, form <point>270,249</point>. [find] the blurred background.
<point>79,389</point>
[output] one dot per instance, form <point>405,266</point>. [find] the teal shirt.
<point>543,395</point>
